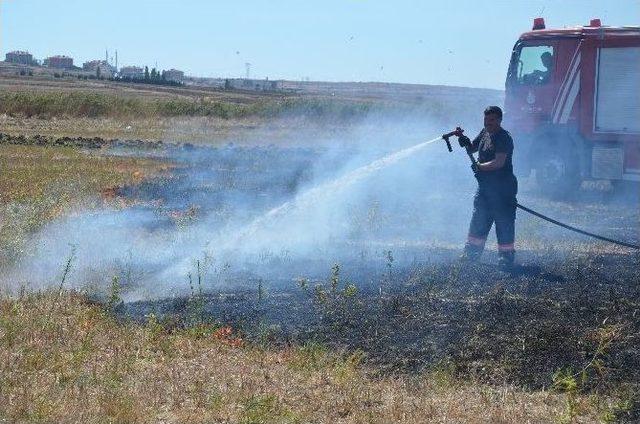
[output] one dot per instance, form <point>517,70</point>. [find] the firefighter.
<point>495,199</point>
<point>538,76</point>
<point>547,61</point>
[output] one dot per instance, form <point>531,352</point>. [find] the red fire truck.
<point>573,104</point>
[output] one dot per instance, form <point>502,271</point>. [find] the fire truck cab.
<point>572,103</point>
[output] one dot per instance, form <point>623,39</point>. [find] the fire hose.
<point>459,132</point>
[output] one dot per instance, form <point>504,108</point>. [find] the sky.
<point>454,42</point>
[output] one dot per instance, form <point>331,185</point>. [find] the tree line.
<point>150,77</point>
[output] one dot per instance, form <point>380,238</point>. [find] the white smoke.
<point>362,193</point>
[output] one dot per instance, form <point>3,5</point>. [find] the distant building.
<point>174,75</point>
<point>252,84</point>
<point>20,57</point>
<point>106,69</point>
<point>133,72</point>
<point>59,62</point>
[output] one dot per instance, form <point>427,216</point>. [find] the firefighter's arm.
<point>495,164</point>
<point>475,144</point>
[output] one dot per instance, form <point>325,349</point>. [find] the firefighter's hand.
<point>464,141</point>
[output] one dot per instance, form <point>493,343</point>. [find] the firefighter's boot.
<point>506,260</point>
<point>471,253</point>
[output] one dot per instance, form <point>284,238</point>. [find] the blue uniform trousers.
<point>494,202</point>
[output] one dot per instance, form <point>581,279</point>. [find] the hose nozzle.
<point>457,132</point>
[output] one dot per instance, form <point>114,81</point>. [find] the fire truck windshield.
<point>533,65</point>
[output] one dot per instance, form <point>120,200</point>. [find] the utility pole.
<point>248,69</point>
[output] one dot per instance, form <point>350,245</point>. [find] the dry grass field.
<point>64,360</point>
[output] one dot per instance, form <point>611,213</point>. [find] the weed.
<point>338,307</point>
<point>346,367</point>
<point>335,277</point>
<point>65,273</point>
<point>154,326</point>
<point>263,409</point>
<point>619,411</point>
<point>350,291</point>
<point>128,270</point>
<point>199,274</point>
<point>320,294</point>
<point>214,401</point>
<point>389,258</point>
<point>114,299</point>
<point>196,305</point>
<point>442,374</point>
<point>67,268</point>
<point>225,336</point>
<point>265,333</point>
<point>565,382</point>
<point>303,283</point>
<point>261,292</point>
<point>571,383</point>
<point>311,356</point>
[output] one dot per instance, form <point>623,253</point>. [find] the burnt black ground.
<point>517,327</point>
<point>572,305</point>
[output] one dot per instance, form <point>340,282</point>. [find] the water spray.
<point>319,192</point>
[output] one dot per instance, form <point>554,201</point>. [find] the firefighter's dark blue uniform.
<point>495,199</point>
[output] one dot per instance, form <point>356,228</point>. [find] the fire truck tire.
<point>557,175</point>
<point>628,189</point>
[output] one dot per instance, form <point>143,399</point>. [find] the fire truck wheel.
<point>556,175</point>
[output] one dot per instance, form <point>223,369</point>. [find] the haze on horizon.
<point>461,42</point>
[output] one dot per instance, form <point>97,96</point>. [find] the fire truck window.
<point>535,65</point>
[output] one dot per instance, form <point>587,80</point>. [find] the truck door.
<point>531,85</point>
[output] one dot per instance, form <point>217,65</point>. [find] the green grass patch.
<point>92,105</point>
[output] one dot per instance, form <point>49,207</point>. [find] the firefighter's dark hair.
<point>493,110</point>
